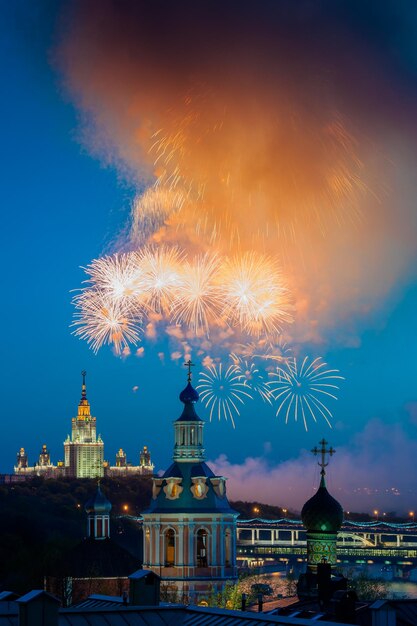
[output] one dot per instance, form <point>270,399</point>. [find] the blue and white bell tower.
<point>190,528</point>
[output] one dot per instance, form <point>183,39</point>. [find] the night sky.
<point>82,82</point>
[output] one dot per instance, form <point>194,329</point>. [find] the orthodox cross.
<point>189,365</point>
<point>323,453</point>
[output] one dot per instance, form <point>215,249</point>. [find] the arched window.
<point>228,548</point>
<point>147,556</point>
<point>169,548</point>
<point>202,548</point>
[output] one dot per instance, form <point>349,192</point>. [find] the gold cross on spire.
<point>323,451</point>
<point>189,364</point>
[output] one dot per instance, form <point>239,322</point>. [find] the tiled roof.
<point>158,616</point>
<point>186,503</point>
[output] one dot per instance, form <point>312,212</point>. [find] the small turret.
<point>145,457</point>
<point>98,510</point>
<point>121,458</point>
<point>22,459</point>
<point>44,457</point>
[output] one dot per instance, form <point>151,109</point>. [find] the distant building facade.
<point>43,467</point>
<point>83,452</point>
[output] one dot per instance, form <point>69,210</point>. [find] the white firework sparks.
<point>301,391</point>
<point>160,268</point>
<point>199,294</point>
<point>118,278</point>
<point>222,391</point>
<point>255,294</point>
<point>265,350</point>
<point>101,320</point>
<point>252,377</point>
<point>198,300</point>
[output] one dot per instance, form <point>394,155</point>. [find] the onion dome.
<point>322,513</point>
<point>98,504</point>
<point>189,394</point>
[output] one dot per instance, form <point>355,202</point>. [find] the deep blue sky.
<point>60,210</point>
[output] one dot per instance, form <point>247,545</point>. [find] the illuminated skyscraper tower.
<point>84,451</point>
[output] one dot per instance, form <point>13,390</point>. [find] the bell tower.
<point>98,516</point>
<point>190,528</point>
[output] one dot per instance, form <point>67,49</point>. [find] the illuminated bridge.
<point>260,541</point>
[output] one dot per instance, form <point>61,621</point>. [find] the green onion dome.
<point>322,513</point>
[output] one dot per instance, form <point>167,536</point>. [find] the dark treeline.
<point>41,520</point>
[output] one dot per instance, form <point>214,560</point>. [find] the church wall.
<point>197,579</point>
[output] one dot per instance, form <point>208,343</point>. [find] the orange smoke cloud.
<point>250,129</point>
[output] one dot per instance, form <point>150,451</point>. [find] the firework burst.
<point>222,391</point>
<point>257,299</point>
<point>265,350</point>
<point>198,294</point>
<point>198,298</point>
<point>100,320</point>
<point>301,391</point>
<point>252,377</point>
<point>117,277</point>
<point>160,268</point>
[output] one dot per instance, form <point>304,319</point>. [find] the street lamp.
<point>411,514</point>
<point>376,513</point>
<point>285,511</point>
<point>125,508</point>
<point>256,509</point>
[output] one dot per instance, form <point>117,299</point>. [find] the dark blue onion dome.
<point>189,396</point>
<point>322,513</point>
<point>98,504</point>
